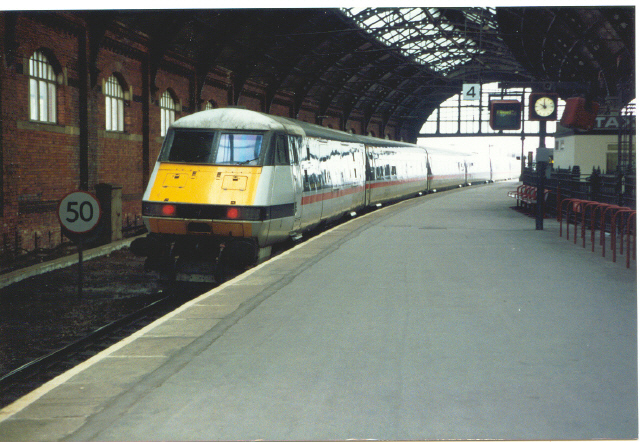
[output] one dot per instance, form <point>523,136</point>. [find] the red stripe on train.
<point>330,194</point>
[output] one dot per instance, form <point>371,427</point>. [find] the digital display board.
<point>505,115</point>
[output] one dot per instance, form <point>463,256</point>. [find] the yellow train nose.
<point>204,184</point>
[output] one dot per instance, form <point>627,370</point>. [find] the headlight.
<point>168,209</point>
<point>159,209</point>
<point>239,213</point>
<point>203,212</point>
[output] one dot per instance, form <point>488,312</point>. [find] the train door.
<point>370,175</point>
<point>359,175</point>
<point>295,143</point>
<point>466,173</point>
<point>282,198</point>
<point>429,173</point>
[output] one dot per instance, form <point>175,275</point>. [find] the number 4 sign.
<point>470,91</point>
<point>79,212</point>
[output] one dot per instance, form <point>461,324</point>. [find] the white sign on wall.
<point>471,91</point>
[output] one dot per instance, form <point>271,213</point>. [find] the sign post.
<point>79,213</point>
<point>541,168</point>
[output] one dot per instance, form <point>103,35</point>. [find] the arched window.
<point>114,105</point>
<point>167,112</point>
<point>42,89</point>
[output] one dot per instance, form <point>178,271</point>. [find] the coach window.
<point>167,112</point>
<point>114,105</point>
<point>42,89</point>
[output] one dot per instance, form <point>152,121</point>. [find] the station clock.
<point>543,106</point>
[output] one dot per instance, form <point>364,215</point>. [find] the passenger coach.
<point>230,183</point>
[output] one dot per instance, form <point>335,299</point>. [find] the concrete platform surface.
<point>442,317</point>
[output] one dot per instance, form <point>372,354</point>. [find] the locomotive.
<point>231,183</point>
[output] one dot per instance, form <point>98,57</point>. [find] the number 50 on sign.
<point>79,212</point>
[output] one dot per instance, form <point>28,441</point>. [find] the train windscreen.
<point>238,148</point>
<point>211,147</point>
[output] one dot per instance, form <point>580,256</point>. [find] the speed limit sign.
<point>79,212</point>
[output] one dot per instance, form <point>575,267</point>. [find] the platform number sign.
<point>79,212</point>
<point>470,91</point>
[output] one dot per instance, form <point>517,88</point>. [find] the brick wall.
<point>42,162</point>
<point>39,159</point>
<point>119,154</point>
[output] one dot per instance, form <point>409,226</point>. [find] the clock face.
<point>544,106</point>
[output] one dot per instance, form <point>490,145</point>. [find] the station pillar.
<point>110,197</point>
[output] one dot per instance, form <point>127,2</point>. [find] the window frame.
<point>167,112</point>
<point>114,94</point>
<point>43,103</point>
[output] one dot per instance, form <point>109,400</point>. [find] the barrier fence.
<point>618,189</point>
<point>597,202</point>
<point>52,245</point>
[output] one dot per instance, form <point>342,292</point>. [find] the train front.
<point>208,196</point>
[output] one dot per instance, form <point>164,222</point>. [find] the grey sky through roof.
<point>427,35</point>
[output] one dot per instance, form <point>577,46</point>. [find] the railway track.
<point>60,353</point>
<point>33,374</point>
<point>67,354</point>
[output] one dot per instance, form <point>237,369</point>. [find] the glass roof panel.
<point>426,35</point>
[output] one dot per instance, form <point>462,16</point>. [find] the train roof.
<point>313,130</point>
<point>243,119</point>
<point>235,119</point>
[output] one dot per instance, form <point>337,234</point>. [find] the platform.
<point>447,316</point>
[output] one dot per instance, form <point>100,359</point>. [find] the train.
<point>230,184</point>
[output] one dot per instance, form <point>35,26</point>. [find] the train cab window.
<point>239,148</point>
<point>188,146</point>
<point>203,146</point>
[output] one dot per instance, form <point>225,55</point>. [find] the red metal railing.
<point>617,218</point>
<point>526,195</point>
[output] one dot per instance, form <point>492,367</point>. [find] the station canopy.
<point>392,64</point>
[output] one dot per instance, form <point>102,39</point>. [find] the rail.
<point>31,375</point>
